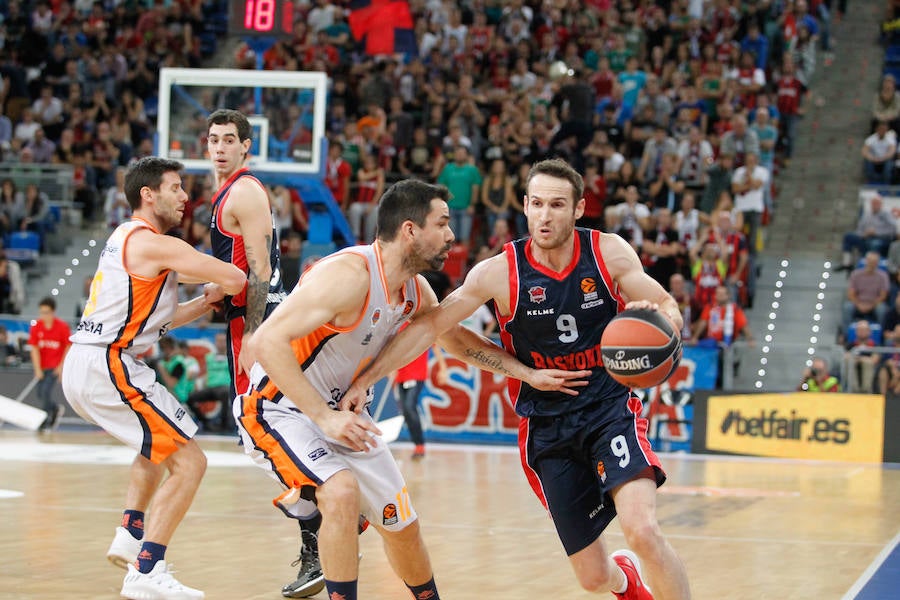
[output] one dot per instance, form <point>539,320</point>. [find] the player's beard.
<point>424,260</point>
<point>169,218</point>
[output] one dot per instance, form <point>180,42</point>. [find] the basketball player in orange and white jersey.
<point>133,301</point>
<point>342,312</point>
<point>586,457</point>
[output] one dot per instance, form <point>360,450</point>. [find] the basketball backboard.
<point>286,110</point>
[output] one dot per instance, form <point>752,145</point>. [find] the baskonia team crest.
<point>537,294</point>
<point>376,316</point>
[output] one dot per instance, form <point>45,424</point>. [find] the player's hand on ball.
<point>557,380</point>
<point>647,305</point>
<point>642,304</point>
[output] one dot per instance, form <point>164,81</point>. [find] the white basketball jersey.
<point>331,356</point>
<point>124,310</point>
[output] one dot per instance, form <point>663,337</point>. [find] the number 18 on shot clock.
<point>261,18</point>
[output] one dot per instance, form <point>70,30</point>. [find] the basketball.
<point>640,348</point>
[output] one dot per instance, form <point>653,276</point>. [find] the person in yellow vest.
<point>817,378</point>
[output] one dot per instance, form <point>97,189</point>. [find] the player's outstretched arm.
<point>148,254</point>
<point>488,279</point>
<point>332,291</point>
<point>401,350</point>
<point>481,352</point>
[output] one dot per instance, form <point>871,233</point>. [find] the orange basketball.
<point>640,348</point>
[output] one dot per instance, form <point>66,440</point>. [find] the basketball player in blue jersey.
<point>242,232</point>
<point>587,456</point>
<point>336,320</point>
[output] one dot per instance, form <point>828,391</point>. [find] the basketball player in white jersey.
<point>133,301</point>
<point>334,322</point>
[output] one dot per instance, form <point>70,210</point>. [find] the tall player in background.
<point>133,301</point>
<point>242,232</point>
<point>587,457</point>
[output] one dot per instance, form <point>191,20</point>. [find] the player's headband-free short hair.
<point>407,200</point>
<point>223,116</point>
<point>560,169</point>
<point>147,172</point>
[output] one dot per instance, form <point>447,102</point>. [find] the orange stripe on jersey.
<point>161,436</point>
<point>143,295</point>
<point>284,463</point>
<point>381,275</point>
<point>306,347</point>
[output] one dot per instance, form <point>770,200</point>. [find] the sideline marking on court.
<point>96,454</point>
<point>871,572</point>
<point>10,494</point>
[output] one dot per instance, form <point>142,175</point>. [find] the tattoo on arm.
<point>257,292</point>
<point>491,362</point>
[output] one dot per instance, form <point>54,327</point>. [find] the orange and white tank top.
<point>331,356</point>
<point>125,310</point>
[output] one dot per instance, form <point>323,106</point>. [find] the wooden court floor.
<point>746,529</point>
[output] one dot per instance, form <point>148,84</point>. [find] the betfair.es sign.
<point>847,427</point>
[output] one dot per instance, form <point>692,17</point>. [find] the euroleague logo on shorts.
<point>389,514</point>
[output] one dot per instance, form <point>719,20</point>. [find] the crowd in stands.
<point>78,86</point>
<point>679,115</point>
<point>871,252</point>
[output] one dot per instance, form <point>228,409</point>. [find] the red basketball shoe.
<point>629,563</point>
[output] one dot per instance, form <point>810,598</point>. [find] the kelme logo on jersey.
<point>537,294</point>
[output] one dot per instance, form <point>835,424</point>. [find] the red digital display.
<point>261,18</point>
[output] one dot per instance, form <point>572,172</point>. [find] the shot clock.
<point>261,18</point>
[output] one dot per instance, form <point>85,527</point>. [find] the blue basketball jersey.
<point>556,321</point>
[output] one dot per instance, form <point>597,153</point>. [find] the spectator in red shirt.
<point>337,174</point>
<point>49,341</point>
<point>594,197</point>
<point>723,321</point>
<point>410,381</point>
